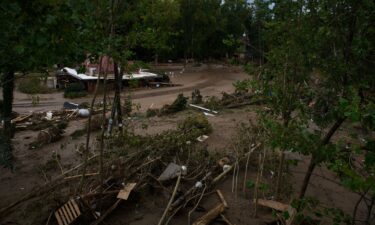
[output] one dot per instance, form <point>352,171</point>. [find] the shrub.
<point>195,123</point>
<point>213,103</point>
<point>139,65</point>
<point>152,112</point>
<point>75,90</point>
<point>178,105</point>
<point>196,97</point>
<point>32,85</point>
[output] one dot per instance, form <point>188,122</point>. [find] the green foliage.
<point>32,85</point>
<point>213,103</point>
<point>138,65</point>
<point>195,122</point>
<point>178,105</point>
<point>310,210</point>
<point>196,97</point>
<point>75,90</point>
<point>152,112</point>
<point>250,184</point>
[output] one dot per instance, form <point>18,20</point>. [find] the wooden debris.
<point>78,176</point>
<point>204,109</point>
<point>170,200</point>
<point>216,179</point>
<point>125,192</point>
<point>226,220</point>
<point>21,118</point>
<point>68,213</point>
<point>279,207</point>
<point>273,204</point>
<point>210,215</point>
<point>222,199</point>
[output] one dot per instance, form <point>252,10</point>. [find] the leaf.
<point>250,184</point>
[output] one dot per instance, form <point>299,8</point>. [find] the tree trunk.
<point>280,174</point>
<point>313,161</point>
<point>8,86</point>
<point>8,131</point>
<point>88,130</point>
<point>369,210</point>
<point>118,87</point>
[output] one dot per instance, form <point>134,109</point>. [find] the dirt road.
<point>211,80</point>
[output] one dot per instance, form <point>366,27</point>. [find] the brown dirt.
<point>210,81</point>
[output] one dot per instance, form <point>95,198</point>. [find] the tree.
<point>35,35</point>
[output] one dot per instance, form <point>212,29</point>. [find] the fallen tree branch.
<point>210,215</point>
<point>171,199</point>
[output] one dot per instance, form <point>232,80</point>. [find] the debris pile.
<point>133,164</point>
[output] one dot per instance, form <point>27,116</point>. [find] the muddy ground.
<point>211,80</point>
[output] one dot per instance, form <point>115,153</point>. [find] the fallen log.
<point>210,215</point>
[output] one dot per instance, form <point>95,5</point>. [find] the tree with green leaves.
<point>35,35</point>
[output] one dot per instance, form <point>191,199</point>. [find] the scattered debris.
<point>68,213</point>
<point>125,192</point>
<point>202,108</point>
<point>202,138</point>
<point>207,218</point>
<point>84,112</point>
<point>47,136</point>
<point>172,171</point>
<point>279,207</point>
<point>71,105</point>
<point>208,114</point>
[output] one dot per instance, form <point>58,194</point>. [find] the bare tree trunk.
<point>356,207</point>
<point>101,148</point>
<point>118,78</point>
<point>8,132</point>
<point>313,162</point>
<point>369,210</point>
<point>280,171</point>
<point>8,87</point>
<point>88,131</point>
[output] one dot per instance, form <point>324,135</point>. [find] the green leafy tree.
<point>35,35</point>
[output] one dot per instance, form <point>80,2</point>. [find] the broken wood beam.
<point>210,215</point>
<point>226,220</point>
<point>273,205</point>
<point>78,176</point>
<point>216,179</point>
<point>202,108</point>
<point>222,199</point>
<point>279,207</point>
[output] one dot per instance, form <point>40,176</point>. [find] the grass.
<point>32,85</point>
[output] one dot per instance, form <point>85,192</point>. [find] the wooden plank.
<point>62,217</point>
<point>76,207</point>
<point>210,215</point>
<point>125,192</point>
<point>71,208</point>
<point>273,204</point>
<point>58,218</point>
<point>65,215</point>
<point>221,196</point>
<point>70,216</point>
